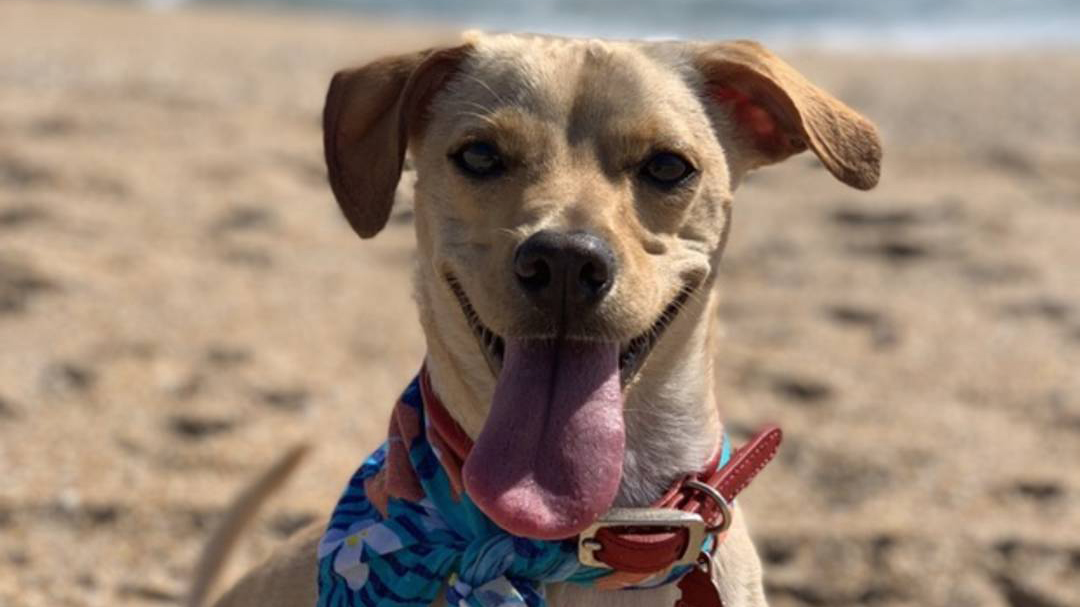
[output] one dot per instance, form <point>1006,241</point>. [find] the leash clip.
<point>645,520</point>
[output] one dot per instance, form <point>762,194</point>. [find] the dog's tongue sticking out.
<point>549,459</point>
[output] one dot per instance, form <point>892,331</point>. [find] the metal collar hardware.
<point>647,520</point>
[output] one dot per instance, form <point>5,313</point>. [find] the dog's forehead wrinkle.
<point>627,97</point>
<point>513,72</point>
<point>621,87</point>
<point>579,84</point>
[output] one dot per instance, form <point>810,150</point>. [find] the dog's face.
<point>570,190</point>
<point>572,202</point>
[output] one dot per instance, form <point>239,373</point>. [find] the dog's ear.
<point>370,114</point>
<point>777,112</point>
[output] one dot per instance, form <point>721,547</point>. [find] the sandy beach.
<point>180,301</point>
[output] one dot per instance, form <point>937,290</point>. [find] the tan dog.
<point>572,203</point>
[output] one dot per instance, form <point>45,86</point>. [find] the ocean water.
<point>841,23</point>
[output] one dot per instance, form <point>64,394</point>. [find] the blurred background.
<point>180,299</point>
<point>830,22</point>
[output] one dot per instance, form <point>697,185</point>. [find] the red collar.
<point>647,548</point>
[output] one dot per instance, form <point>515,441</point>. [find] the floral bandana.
<point>404,529</point>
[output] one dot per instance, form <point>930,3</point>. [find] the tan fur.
<point>574,119</point>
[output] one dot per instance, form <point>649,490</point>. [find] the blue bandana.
<point>386,550</point>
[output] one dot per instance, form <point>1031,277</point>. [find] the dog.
<point>572,202</point>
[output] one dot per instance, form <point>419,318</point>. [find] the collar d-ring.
<point>721,504</point>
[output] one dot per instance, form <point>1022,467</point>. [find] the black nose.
<point>577,268</point>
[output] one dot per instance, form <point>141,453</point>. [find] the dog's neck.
<point>672,423</point>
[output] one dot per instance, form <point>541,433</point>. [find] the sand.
<point>180,300</point>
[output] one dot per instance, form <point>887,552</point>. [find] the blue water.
<point>912,23</point>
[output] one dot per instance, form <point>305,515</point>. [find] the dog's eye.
<point>666,169</point>
<point>479,159</point>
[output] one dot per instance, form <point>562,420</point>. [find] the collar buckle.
<point>644,520</point>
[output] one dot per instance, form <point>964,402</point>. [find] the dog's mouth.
<point>632,354</point>
<point>548,461</point>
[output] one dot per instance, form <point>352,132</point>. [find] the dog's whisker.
<point>480,106</point>
<point>487,87</point>
<point>481,117</point>
<point>491,343</point>
<point>695,297</point>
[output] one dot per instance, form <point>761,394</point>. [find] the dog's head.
<point>572,202</point>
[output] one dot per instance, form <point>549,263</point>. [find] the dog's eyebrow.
<point>635,145</point>
<point>645,129</point>
<point>502,138</point>
<point>514,132</point>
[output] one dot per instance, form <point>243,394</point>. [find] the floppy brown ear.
<point>370,113</point>
<point>777,112</point>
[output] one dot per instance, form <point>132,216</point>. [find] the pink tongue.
<point>549,459</point>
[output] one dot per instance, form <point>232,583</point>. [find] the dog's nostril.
<point>533,273</point>
<point>594,277</point>
<point>533,264</point>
